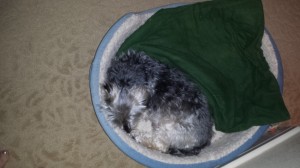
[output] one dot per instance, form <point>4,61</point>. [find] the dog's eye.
<point>106,87</point>
<point>107,97</point>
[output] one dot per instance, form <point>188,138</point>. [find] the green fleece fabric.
<point>218,45</point>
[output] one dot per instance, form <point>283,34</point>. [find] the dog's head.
<point>124,105</point>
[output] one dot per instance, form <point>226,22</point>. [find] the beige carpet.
<point>46,47</point>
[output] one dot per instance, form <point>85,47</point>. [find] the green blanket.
<point>218,45</point>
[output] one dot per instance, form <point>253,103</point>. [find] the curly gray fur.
<point>157,105</point>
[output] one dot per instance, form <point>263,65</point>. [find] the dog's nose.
<point>126,127</point>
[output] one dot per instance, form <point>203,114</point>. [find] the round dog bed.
<point>223,148</point>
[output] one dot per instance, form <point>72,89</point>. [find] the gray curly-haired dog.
<point>157,105</point>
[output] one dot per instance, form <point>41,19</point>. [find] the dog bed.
<point>224,146</point>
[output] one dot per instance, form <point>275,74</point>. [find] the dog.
<point>157,105</point>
